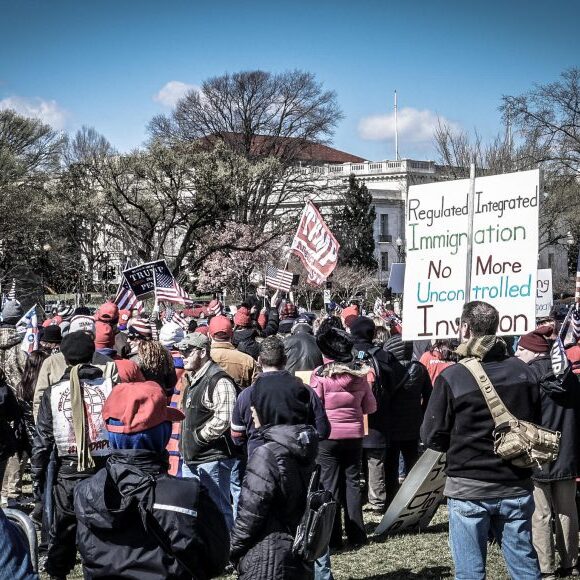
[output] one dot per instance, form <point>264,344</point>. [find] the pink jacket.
<point>346,398</point>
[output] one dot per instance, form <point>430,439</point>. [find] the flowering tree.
<point>238,261</point>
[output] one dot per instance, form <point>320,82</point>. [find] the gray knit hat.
<point>12,312</point>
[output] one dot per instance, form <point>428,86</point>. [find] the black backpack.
<point>315,527</point>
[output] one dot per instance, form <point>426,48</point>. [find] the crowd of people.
<point>182,445</point>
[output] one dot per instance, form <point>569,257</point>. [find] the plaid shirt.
<point>222,405</point>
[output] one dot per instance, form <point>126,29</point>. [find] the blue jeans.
<point>510,521</point>
<point>14,555</point>
<point>322,569</point>
<point>215,477</point>
<point>237,476</point>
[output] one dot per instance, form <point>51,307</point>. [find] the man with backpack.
<point>486,493</point>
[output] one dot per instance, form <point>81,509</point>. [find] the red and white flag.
<point>315,245</point>
<point>167,289</point>
<point>126,299</point>
<point>279,279</point>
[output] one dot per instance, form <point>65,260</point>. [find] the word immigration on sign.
<point>504,256</point>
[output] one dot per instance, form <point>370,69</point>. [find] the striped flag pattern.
<point>167,288</point>
<point>126,299</point>
<point>576,309</point>
<point>12,293</point>
<point>279,279</point>
<point>171,315</point>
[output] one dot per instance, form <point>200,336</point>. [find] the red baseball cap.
<point>139,406</point>
<point>107,312</point>
<point>221,325</point>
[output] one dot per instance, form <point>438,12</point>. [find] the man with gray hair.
<point>486,494</point>
<point>208,401</point>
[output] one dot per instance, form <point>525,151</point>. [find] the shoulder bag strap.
<point>498,410</point>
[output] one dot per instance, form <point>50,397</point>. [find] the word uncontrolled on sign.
<point>504,259</point>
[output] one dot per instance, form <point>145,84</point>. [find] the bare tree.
<point>457,150</point>
<point>272,121</point>
<point>350,282</point>
<point>550,115</point>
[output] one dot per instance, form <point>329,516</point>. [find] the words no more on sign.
<point>504,258</point>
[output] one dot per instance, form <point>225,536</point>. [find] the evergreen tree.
<point>353,218</point>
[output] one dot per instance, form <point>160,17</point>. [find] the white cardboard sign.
<point>544,293</point>
<point>504,260</point>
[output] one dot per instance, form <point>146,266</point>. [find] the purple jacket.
<point>346,397</point>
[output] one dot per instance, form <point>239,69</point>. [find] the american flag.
<point>171,315</point>
<point>167,288</point>
<point>576,311</point>
<point>126,299</point>
<point>279,279</point>
<point>12,294</point>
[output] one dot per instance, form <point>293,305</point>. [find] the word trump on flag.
<point>315,245</point>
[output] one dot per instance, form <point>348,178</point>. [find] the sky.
<point>113,65</point>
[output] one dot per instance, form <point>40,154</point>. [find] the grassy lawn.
<point>403,557</point>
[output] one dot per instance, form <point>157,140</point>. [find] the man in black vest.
<point>208,402</point>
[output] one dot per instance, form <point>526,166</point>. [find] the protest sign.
<point>436,224</point>
<point>504,260</point>
<point>419,497</point>
<point>140,278</point>
<point>315,245</point>
<point>544,295</point>
<point>397,278</point>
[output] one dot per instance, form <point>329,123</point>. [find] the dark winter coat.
<point>410,392</point>
<point>458,421</point>
<point>302,352</point>
<point>10,415</point>
<point>401,391</point>
<point>245,339</point>
<point>272,503</point>
<point>560,412</point>
<point>112,538</point>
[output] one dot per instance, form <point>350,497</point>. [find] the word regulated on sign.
<point>504,256</point>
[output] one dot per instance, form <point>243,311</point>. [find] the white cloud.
<point>47,111</point>
<point>172,91</point>
<point>414,126</point>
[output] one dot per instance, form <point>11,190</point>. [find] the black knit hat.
<point>335,344</point>
<point>362,328</point>
<point>52,333</point>
<point>77,348</point>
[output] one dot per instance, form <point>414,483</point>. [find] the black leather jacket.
<point>302,352</point>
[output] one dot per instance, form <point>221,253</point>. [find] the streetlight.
<point>399,243</point>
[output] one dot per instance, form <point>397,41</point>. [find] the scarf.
<point>84,457</point>
<point>478,347</point>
